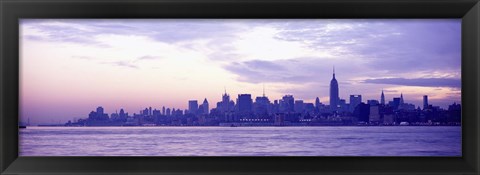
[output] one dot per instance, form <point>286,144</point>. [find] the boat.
<point>22,127</point>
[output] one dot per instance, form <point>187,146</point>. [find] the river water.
<point>241,141</point>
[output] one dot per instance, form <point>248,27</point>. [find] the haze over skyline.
<point>71,66</point>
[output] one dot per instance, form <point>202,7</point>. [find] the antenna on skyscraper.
<point>263,89</point>
<point>333,71</point>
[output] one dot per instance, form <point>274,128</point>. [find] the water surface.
<point>241,141</point>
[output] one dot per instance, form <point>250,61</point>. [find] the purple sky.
<point>129,63</point>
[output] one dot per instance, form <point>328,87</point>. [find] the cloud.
<point>265,65</point>
<point>122,64</point>
<point>296,70</point>
<point>390,91</point>
<point>85,31</point>
<point>425,82</point>
<point>59,31</point>
<point>83,57</point>
<point>307,91</point>
<point>130,64</point>
<point>148,57</point>
<point>358,48</point>
<point>257,71</point>
<point>394,46</point>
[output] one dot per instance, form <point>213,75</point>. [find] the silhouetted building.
<point>309,107</point>
<point>262,105</point>
<point>317,103</point>
<point>244,103</point>
<point>275,106</point>
<point>299,106</point>
<point>362,112</point>
<point>123,115</point>
<point>168,112</point>
<point>145,112</point>
<point>279,119</point>
<point>396,103</point>
<point>425,102</point>
<point>287,104</point>
<point>382,99</point>
<point>388,119</point>
<point>373,102</point>
<point>114,116</point>
<point>156,113</point>
<point>407,107</point>
<point>342,105</point>
<point>374,116</point>
<point>354,101</point>
<point>192,106</point>
<point>334,94</point>
<point>454,112</point>
<point>226,105</point>
<point>99,111</point>
<point>205,106</point>
<point>98,115</point>
<point>401,99</point>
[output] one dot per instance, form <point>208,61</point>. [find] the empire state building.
<point>334,98</point>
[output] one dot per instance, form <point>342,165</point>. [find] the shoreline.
<point>240,126</point>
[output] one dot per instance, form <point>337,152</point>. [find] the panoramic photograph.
<point>240,87</point>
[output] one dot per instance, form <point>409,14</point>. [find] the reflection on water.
<point>241,141</point>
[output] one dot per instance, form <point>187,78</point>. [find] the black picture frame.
<point>12,10</point>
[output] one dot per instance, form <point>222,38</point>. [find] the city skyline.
<point>263,107</point>
<point>71,66</point>
<point>164,110</point>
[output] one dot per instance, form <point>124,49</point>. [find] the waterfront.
<point>241,141</point>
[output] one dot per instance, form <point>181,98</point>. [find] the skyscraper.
<point>99,111</point>
<point>192,106</point>
<point>396,103</point>
<point>168,112</point>
<point>225,104</point>
<point>401,99</point>
<point>244,103</point>
<point>317,102</point>
<point>373,102</point>
<point>425,101</point>
<point>144,112</point>
<point>334,97</point>
<point>382,99</point>
<point>299,106</point>
<point>261,107</point>
<point>205,106</point>
<point>287,103</point>
<point>354,101</point>
<point>122,114</point>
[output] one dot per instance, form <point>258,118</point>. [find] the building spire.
<point>225,88</point>
<point>382,98</point>
<point>333,71</point>
<point>401,98</point>
<point>263,89</point>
